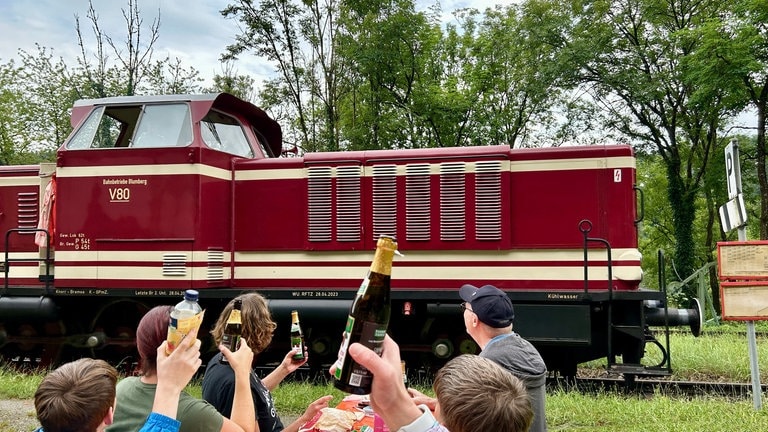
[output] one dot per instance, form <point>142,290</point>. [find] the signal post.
<point>742,268</point>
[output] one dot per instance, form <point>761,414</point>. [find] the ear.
<point>110,417</point>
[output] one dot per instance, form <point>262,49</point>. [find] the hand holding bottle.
<point>368,320</point>
<point>389,398</point>
<point>240,360</point>
<point>174,372</point>
<point>290,364</point>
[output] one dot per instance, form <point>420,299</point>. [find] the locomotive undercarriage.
<point>428,333</point>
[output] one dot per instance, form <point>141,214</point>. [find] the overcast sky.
<point>192,30</point>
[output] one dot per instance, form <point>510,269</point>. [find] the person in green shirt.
<point>134,394</point>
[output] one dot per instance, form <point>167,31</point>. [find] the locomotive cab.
<point>142,208</point>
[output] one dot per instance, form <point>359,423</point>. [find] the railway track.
<point>655,386</point>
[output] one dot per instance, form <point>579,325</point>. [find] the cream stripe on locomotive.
<point>18,271</point>
<point>548,273</point>
<point>65,272</point>
<point>290,265</point>
<point>168,265</point>
<point>147,256</point>
<point>573,255</point>
<point>573,164</point>
<point>356,256</point>
<point>469,167</point>
<point>145,170</point>
<point>275,174</point>
<point>289,271</point>
<point>20,181</point>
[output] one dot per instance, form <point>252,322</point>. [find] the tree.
<point>396,77</point>
<point>49,93</point>
<point>13,115</point>
<point>230,82</point>
<point>734,53</point>
<point>278,30</point>
<point>132,70</point>
<point>630,56</point>
<point>517,75</point>
<point>133,61</point>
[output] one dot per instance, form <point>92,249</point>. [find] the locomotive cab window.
<point>163,126</point>
<point>134,126</point>
<point>224,133</point>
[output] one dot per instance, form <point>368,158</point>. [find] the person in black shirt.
<point>219,379</point>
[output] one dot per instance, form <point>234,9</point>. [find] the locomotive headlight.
<point>92,342</point>
<point>442,348</point>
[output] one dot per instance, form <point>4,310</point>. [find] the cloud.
<point>194,31</point>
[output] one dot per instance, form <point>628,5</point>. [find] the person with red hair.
<point>135,394</point>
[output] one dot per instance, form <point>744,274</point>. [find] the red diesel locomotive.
<point>150,196</point>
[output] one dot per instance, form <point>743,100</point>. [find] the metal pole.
<point>757,391</point>
<point>734,179</point>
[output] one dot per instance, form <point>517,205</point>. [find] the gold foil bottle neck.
<point>385,252</point>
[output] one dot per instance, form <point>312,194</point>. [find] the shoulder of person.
<point>195,410</point>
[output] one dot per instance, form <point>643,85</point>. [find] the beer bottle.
<point>297,336</point>
<point>368,320</point>
<point>233,329</point>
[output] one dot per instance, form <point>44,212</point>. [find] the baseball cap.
<point>491,305</point>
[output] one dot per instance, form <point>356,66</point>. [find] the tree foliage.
<point>635,58</point>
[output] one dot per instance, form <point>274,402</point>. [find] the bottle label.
<point>344,345</point>
<point>231,341</point>
<point>372,336</point>
<point>179,327</point>
<point>297,342</point>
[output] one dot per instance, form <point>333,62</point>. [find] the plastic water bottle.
<point>184,318</point>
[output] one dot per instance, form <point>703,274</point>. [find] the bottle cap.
<point>191,295</point>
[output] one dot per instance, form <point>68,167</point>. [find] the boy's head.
<point>474,393</point>
<point>78,396</point>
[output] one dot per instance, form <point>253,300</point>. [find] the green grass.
<point>721,356</point>
<point>611,412</point>
<point>17,385</point>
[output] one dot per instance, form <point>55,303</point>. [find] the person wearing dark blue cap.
<point>488,315</point>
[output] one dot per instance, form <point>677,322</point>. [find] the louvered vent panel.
<point>348,203</point>
<point>319,206</point>
<point>417,201</point>
<point>215,265</point>
<point>384,200</point>
<point>174,264</point>
<point>488,200</point>
<point>452,201</point>
<point>28,210</point>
